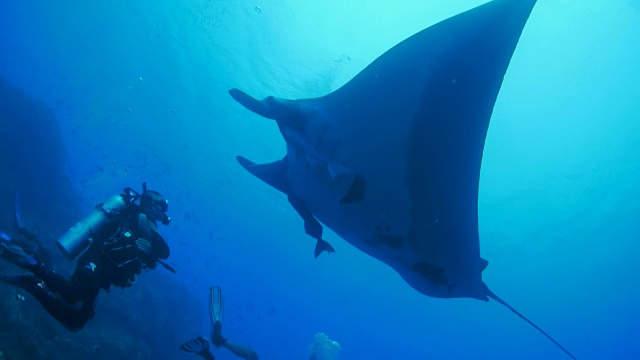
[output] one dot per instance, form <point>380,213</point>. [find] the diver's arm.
<point>160,249</point>
<point>240,351</point>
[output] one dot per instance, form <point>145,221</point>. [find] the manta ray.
<point>391,160</point>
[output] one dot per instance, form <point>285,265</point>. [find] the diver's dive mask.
<point>155,206</point>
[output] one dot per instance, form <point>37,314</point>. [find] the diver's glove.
<point>144,245</point>
<point>199,346</point>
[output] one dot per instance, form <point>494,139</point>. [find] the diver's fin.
<point>321,246</point>
<point>4,237</point>
<point>216,311</point>
<point>28,240</point>
<point>196,346</point>
<point>273,173</point>
<point>493,296</point>
<point>17,209</point>
<point>216,305</point>
<point>17,213</point>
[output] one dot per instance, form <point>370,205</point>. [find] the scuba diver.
<point>121,239</point>
<point>200,345</point>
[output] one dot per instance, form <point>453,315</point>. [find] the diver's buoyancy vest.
<point>121,248</point>
<point>122,252</point>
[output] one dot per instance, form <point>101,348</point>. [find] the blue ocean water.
<point>140,93</point>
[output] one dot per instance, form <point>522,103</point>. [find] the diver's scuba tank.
<point>78,237</point>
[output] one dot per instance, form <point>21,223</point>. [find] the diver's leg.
<point>72,316</point>
<point>216,310</point>
<point>240,351</point>
<point>57,283</point>
<point>84,285</point>
<point>220,341</point>
<point>68,301</point>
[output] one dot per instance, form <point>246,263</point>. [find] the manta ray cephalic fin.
<point>284,111</point>
<point>273,173</point>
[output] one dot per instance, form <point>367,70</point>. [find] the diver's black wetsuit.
<point>112,259</point>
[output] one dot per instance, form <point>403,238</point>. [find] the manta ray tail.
<point>495,297</point>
